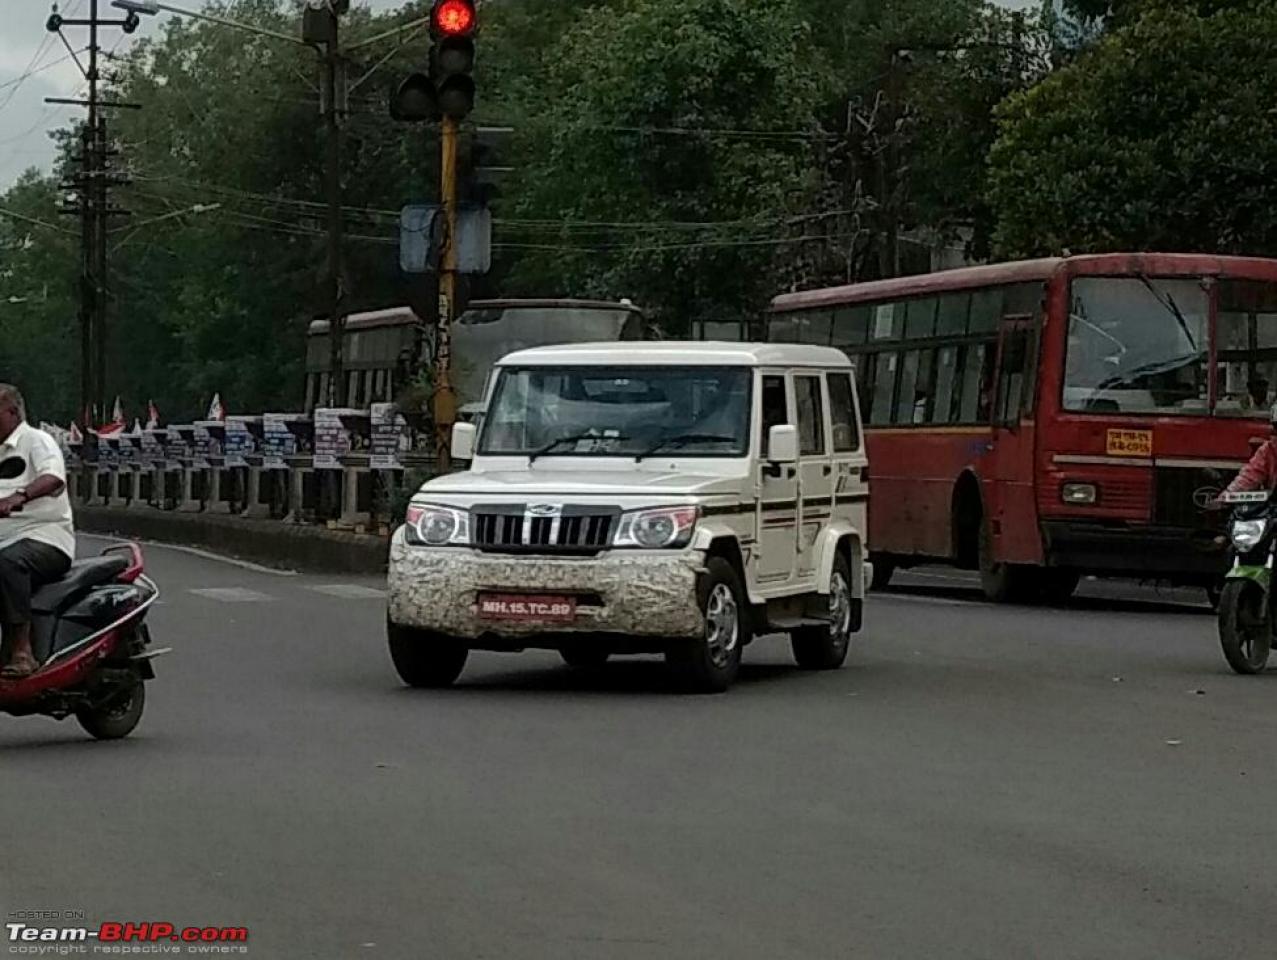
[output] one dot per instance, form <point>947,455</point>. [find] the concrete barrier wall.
<point>286,546</point>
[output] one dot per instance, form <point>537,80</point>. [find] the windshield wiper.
<point>680,439</point>
<point>571,438</point>
<point>1167,301</point>
<point>1145,370</point>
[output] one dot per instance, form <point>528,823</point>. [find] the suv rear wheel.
<point>825,647</point>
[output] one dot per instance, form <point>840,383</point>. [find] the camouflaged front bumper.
<point>641,594</point>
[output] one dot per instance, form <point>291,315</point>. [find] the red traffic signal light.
<point>453,18</point>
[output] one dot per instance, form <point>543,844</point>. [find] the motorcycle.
<point>90,638</point>
<point>1245,605</point>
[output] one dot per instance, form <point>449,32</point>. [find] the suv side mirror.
<point>782,444</point>
<point>463,435</point>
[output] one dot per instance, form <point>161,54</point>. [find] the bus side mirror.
<point>463,441</point>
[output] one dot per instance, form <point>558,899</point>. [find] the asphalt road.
<point>978,782</point>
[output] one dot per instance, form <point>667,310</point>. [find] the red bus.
<point>1052,418</point>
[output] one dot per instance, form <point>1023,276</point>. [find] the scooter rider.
<point>37,540</point>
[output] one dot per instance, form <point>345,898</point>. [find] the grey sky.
<point>25,119</point>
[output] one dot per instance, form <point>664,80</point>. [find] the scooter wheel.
<point>117,719</point>
<point>1245,631</point>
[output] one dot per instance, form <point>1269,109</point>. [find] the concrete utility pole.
<point>334,90</point>
<point>93,205</point>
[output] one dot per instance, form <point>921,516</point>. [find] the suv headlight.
<point>436,526</point>
<point>1248,533</point>
<point>662,527</point>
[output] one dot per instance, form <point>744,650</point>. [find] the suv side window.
<point>811,416</point>
<point>775,408</point>
<point>842,413</point>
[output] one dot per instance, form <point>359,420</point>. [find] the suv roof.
<point>681,353</point>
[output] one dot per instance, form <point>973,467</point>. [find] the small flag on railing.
<point>215,409</point>
<point>152,415</point>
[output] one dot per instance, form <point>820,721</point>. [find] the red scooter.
<point>94,650</point>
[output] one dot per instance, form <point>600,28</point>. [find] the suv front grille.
<point>515,528</point>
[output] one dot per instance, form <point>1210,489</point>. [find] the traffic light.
<point>415,100</point>
<point>452,27</point>
<point>484,163</point>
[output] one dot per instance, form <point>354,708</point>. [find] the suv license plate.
<point>513,606</point>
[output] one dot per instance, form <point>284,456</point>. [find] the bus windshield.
<point>1137,345</point>
<point>619,411</point>
<point>483,336</point>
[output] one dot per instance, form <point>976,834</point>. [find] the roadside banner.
<point>332,442</point>
<point>239,443</point>
<point>278,441</point>
<point>390,437</point>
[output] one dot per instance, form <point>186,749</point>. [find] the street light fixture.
<point>152,8</point>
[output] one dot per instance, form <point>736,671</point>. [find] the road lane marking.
<point>348,591</point>
<point>192,551</point>
<point>230,594</point>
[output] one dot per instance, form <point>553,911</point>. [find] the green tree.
<point>38,276</point>
<point>908,111</point>
<point>673,143</point>
<point>1160,137</point>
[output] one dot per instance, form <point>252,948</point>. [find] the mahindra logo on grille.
<point>1203,497</point>
<point>544,510</point>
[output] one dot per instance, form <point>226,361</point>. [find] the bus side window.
<point>944,409</point>
<point>1015,374</point>
<point>913,404</point>
<point>775,407</point>
<point>977,383</point>
<point>865,364</point>
<point>884,388</point>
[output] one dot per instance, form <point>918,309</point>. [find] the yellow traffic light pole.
<point>445,396</point>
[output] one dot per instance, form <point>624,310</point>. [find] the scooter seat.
<point>83,576</point>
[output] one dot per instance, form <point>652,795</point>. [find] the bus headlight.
<point>1079,493</point>
<point>1248,533</point>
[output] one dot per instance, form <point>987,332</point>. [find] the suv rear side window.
<point>842,413</point>
<point>811,416</point>
<point>775,408</point>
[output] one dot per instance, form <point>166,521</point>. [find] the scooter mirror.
<point>12,467</point>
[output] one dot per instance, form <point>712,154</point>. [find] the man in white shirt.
<point>37,540</point>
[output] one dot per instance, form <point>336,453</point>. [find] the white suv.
<point>675,498</point>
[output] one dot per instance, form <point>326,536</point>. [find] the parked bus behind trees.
<point>1047,419</point>
<point>382,346</point>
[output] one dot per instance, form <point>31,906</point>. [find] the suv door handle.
<point>826,470</point>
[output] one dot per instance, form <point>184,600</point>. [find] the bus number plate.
<point>1129,443</point>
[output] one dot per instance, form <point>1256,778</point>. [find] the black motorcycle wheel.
<point>117,718</point>
<point>1245,629</point>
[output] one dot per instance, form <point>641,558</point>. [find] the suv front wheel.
<point>709,663</point>
<point>825,647</point>
<point>423,658</point>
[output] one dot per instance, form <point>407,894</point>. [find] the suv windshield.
<point>618,412</point>
<point>1137,345</point>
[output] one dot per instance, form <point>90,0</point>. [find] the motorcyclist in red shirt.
<point>1260,473</point>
